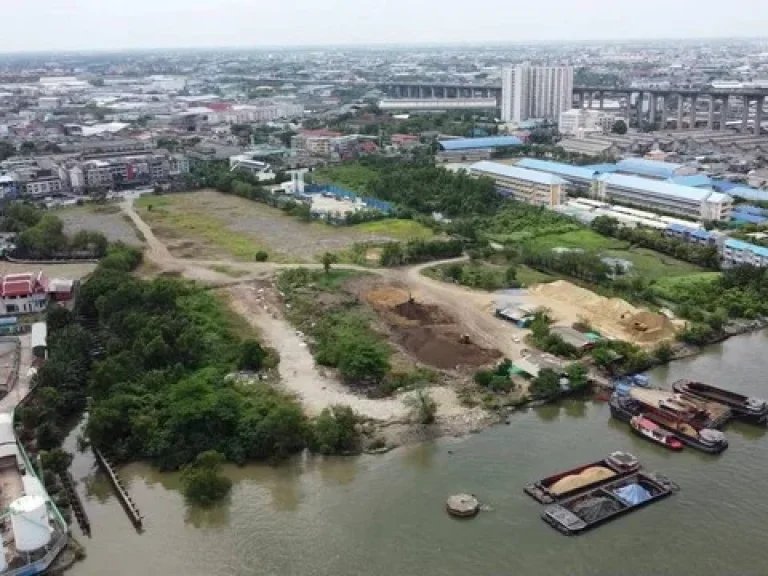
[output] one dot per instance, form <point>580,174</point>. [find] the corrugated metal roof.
<point>496,169</point>
<point>558,168</point>
<point>602,168</point>
<point>475,143</point>
<point>748,218</point>
<point>695,180</point>
<point>746,247</point>
<point>663,188</point>
<point>748,193</point>
<point>648,167</point>
<point>39,334</point>
<point>749,209</point>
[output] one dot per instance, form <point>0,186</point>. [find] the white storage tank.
<point>29,520</point>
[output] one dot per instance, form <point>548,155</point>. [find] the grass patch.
<point>528,276</point>
<point>677,287</point>
<point>355,177</point>
<point>229,270</point>
<point>647,264</point>
<point>395,228</point>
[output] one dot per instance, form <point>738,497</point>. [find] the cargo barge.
<point>607,502</point>
<point>651,431</point>
<point>565,484</point>
<point>749,409</point>
<point>692,422</point>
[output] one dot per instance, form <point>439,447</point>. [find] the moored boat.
<point>607,502</point>
<point>670,414</point>
<point>744,407</point>
<point>655,433</point>
<point>570,482</point>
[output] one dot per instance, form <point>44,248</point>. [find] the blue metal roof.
<point>748,193</point>
<point>497,169</point>
<point>564,170</point>
<point>723,185</point>
<point>695,180</point>
<point>679,228</point>
<point>749,209</point>
<point>648,167</point>
<point>663,188</point>
<point>746,246</point>
<point>475,143</point>
<point>602,168</point>
<point>748,218</point>
<point>703,234</point>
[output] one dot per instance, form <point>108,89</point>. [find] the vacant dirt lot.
<point>426,331</point>
<point>106,219</point>
<point>208,224</point>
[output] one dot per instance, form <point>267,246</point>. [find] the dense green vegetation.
<point>476,275</point>
<point>705,256</point>
<point>202,482</point>
<point>41,235</point>
<point>417,251</point>
<point>336,431</point>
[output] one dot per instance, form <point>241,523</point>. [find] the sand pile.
<point>575,481</point>
<point>612,316</point>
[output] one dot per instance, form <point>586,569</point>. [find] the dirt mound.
<point>584,478</point>
<point>612,316</point>
<point>387,296</point>
<point>441,347</point>
<point>421,313</point>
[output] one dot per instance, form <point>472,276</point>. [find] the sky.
<point>50,25</point>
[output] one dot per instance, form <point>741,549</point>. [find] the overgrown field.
<point>209,224</point>
<point>104,218</point>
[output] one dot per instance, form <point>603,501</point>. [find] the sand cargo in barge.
<point>692,421</point>
<point>753,410</point>
<point>608,502</point>
<point>570,482</point>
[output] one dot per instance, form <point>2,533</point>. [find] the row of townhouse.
<point>732,252</point>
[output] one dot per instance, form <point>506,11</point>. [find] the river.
<point>383,515</point>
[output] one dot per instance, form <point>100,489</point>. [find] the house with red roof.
<point>23,293</point>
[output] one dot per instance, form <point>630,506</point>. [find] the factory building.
<point>527,186</point>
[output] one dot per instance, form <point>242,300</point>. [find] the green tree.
<point>546,385</point>
<point>335,431</point>
<point>328,260</point>
<point>252,356</point>
<point>663,352</point>
<point>202,482</point>
<point>261,256</point>
<point>619,127</point>
<point>577,376</point>
<point>363,361</point>
<point>510,277</point>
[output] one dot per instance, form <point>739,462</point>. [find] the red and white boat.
<point>653,432</point>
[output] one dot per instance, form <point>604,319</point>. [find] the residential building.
<point>324,143</point>
<point>23,293</point>
<point>527,186</point>
<point>9,186</point>
<point>583,122</point>
<point>665,197</point>
<point>535,92</point>
<point>258,168</point>
<point>736,252</point>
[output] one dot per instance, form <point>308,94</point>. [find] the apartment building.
<point>527,186</point>
<point>582,122</point>
<point>535,92</point>
<point>325,143</point>
<point>736,252</point>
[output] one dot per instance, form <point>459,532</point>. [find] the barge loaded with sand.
<point>607,502</point>
<point>565,484</point>
<point>692,421</point>
<point>753,410</point>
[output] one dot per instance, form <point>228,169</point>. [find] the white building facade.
<point>535,92</point>
<point>581,123</point>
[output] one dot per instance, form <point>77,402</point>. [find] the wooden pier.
<point>75,501</point>
<point>122,494</point>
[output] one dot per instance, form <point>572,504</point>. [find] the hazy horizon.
<point>124,25</point>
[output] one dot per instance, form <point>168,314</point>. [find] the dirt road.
<point>297,368</point>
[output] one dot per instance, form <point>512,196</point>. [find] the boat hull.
<point>675,448</point>
<point>624,414</point>
<point>540,492</point>
<point>562,519</point>
<point>739,411</point>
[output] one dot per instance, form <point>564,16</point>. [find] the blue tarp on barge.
<point>632,494</point>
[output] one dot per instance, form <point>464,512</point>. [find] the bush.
<point>252,356</point>
<point>546,385</point>
<point>335,431</point>
<point>201,481</point>
<point>423,406</point>
<point>261,256</point>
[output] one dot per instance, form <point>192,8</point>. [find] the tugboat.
<point>564,484</point>
<point>753,410</point>
<point>691,421</point>
<point>653,432</point>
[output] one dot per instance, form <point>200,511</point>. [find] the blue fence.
<point>371,203</point>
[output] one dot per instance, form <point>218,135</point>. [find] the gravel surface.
<point>105,219</point>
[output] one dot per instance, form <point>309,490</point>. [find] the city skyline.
<point>36,26</point>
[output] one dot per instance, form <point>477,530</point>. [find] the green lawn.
<point>647,263</point>
<point>354,176</point>
<point>395,228</point>
<point>671,288</point>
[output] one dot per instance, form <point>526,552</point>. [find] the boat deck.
<point>719,414</point>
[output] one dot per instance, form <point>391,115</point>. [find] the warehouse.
<point>579,178</point>
<point>653,168</point>
<point>682,201</point>
<point>474,148</point>
<point>529,186</point>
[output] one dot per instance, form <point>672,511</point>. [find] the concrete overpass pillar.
<point>759,114</point>
<point>692,119</point>
<point>711,119</point>
<point>724,113</point>
<point>679,125</point>
<point>628,111</point>
<point>601,96</point>
<point>745,114</point>
<point>652,108</point>
<point>589,100</point>
<point>639,110</point>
